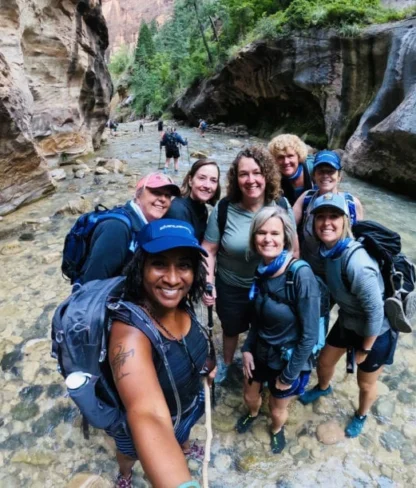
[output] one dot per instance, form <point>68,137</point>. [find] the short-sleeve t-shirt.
<point>235,264</point>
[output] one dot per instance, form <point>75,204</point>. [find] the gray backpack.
<point>80,332</point>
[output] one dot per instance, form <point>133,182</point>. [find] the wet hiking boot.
<point>222,371</point>
<point>311,396</point>
<point>278,441</point>
<point>122,482</point>
<point>244,423</point>
<point>355,426</point>
<point>396,315</point>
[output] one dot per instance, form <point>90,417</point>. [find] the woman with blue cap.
<point>161,392</point>
<point>356,284</point>
<point>327,176</point>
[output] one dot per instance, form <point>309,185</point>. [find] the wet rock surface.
<point>41,441</point>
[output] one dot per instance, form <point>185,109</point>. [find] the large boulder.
<point>55,91</point>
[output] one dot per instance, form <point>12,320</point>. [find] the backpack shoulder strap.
<point>345,261</point>
<point>283,202</point>
<point>291,272</point>
<point>307,200</point>
<point>222,215</point>
<point>351,207</point>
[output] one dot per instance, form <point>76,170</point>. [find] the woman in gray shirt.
<point>356,284</point>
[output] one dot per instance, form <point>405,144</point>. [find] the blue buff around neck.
<point>298,172</point>
<point>335,251</point>
<point>266,270</point>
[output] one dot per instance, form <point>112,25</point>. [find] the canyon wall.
<point>357,92</point>
<point>125,16</point>
<point>55,91</point>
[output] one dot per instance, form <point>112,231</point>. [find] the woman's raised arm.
<point>147,412</point>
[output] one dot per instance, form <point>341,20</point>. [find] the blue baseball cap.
<point>164,234</point>
<point>327,157</point>
<point>330,200</point>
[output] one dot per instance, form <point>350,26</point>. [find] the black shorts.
<point>263,373</point>
<point>172,153</point>
<point>381,353</point>
<point>233,307</point>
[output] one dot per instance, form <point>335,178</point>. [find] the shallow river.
<point>41,444</point>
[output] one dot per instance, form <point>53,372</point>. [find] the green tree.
<point>145,48</point>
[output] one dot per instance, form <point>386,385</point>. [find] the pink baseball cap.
<point>159,180</point>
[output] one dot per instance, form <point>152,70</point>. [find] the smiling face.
<point>288,162</point>
<point>204,183</point>
<point>329,226</point>
<point>251,181</point>
<point>168,277</point>
<point>327,178</point>
<point>270,239</point>
<point>154,202</point>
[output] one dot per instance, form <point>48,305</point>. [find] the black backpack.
<point>80,333</point>
<point>224,203</point>
<point>384,245</point>
<point>77,241</point>
<point>170,141</point>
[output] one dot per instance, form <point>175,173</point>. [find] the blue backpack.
<point>77,241</point>
<point>80,334</point>
<point>325,308</point>
<point>348,198</point>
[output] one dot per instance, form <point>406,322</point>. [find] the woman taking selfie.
<point>162,396</point>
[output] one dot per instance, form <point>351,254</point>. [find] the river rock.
<point>12,248</point>
<point>58,174</point>
<point>55,390</point>
<point>408,454</point>
<point>101,171</point>
<point>111,165</point>
<point>223,424</point>
<point>88,480</point>
<point>79,174</point>
<point>199,154</point>
<point>222,462</point>
<point>383,409</point>
<point>73,207</point>
<point>34,457</point>
<point>330,432</point>
<point>10,359</point>
<point>24,411</point>
<point>406,397</point>
<point>31,393</point>
<point>235,143</point>
<point>392,440</point>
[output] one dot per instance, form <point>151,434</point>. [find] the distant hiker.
<point>202,127</point>
<point>110,247</point>
<point>160,125</point>
<point>112,126</point>
<point>171,140</point>
<point>279,348</point>
<point>165,276</point>
<point>327,176</point>
<point>141,129</point>
<point>201,185</point>
<point>362,329</point>
<point>291,156</point>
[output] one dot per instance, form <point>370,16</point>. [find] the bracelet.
<point>365,351</point>
<point>190,484</point>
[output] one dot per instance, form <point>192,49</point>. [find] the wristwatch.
<point>365,351</point>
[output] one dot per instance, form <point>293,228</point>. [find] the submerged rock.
<point>88,480</point>
<point>330,433</point>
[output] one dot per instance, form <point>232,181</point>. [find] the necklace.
<point>161,325</point>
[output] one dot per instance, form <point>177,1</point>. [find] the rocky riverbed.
<point>41,443</point>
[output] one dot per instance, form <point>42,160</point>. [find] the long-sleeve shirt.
<point>361,301</point>
<point>278,324</point>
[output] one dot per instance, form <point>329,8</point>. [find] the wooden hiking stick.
<point>208,427</point>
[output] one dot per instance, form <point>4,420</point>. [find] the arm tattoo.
<point>120,358</point>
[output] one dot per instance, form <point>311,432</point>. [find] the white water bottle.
<point>77,380</point>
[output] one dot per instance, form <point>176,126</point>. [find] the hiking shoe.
<point>176,171</point>
<point>278,441</point>
<point>311,396</point>
<point>393,308</point>
<point>409,304</point>
<point>355,426</point>
<point>165,171</point>
<point>244,423</point>
<point>222,371</point>
<point>122,482</point>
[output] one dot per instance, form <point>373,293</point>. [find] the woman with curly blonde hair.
<point>291,156</point>
<point>253,183</point>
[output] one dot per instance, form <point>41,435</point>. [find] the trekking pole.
<point>209,289</point>
<point>187,149</point>
<point>160,157</point>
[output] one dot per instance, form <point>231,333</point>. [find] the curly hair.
<point>281,144</point>
<point>268,169</point>
<point>186,188</point>
<point>134,288</point>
